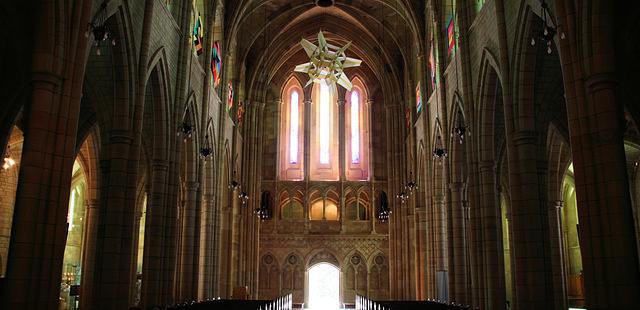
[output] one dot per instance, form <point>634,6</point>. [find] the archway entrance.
<point>324,287</point>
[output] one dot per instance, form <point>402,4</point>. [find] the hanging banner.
<point>407,115</point>
<point>432,68</point>
<point>197,35</point>
<point>240,112</point>
<point>216,63</point>
<point>451,36</point>
<point>229,96</point>
<point>418,99</point>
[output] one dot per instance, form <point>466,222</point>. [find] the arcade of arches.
<point>135,166</point>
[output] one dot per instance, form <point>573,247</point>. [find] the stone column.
<point>88,251</point>
<point>491,256</point>
<point>457,251</point>
<point>556,236</point>
<point>186,287</point>
<point>205,261</point>
<point>532,260</point>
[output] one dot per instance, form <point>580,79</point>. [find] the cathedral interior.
<point>472,153</point>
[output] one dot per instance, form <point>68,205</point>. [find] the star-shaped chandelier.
<point>327,62</point>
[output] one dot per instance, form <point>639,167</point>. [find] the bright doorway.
<point>324,287</point>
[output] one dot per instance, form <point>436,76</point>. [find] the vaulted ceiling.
<point>265,36</point>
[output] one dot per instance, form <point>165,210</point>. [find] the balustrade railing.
<point>282,303</point>
<point>363,303</point>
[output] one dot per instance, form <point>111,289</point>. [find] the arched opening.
<point>573,256</point>
<point>72,262</point>
<point>324,286</point>
<point>506,248</point>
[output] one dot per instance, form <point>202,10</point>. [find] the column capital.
<point>120,136</point>
<point>341,102</point>
<point>278,101</point>
<point>91,203</point>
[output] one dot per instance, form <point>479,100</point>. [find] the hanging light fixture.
<point>206,150</point>
<point>186,129</point>
<point>549,29</point>
<point>384,211</point>
<point>439,152</point>
<point>460,129</point>
<point>411,185</point>
<point>403,196</point>
<point>233,184</point>
<point>98,27</point>
<point>8,160</point>
<point>244,197</point>
<point>263,212</point>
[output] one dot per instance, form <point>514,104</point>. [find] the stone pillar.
<point>421,251</point>
<point>491,256</point>
<point>532,260</point>
<point>187,256</point>
<point>457,251</point>
<point>152,262</point>
<point>88,251</point>
<point>556,236</point>
<point>205,261</point>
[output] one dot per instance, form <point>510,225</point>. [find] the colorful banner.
<point>451,36</point>
<point>407,115</point>
<point>418,99</point>
<point>229,96</point>
<point>216,63</point>
<point>432,68</point>
<point>197,35</point>
<point>240,112</point>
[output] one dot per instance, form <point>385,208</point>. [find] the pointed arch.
<point>356,122</point>
<point>324,142</point>
<point>291,154</point>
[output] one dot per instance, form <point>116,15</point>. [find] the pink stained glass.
<point>324,122</point>
<point>355,128</point>
<point>293,128</point>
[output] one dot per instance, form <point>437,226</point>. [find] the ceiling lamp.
<point>460,129</point>
<point>206,150</point>
<point>327,62</point>
<point>403,196</point>
<point>8,160</point>
<point>98,27</point>
<point>549,29</point>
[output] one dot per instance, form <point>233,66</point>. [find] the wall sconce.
<point>97,26</point>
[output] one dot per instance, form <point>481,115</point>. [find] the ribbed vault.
<point>266,35</point>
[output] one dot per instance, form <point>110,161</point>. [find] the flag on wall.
<point>240,112</point>
<point>432,68</point>
<point>197,35</point>
<point>407,115</point>
<point>451,36</point>
<point>418,99</point>
<point>216,63</point>
<point>229,96</point>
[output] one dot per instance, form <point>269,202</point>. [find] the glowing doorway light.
<point>355,128</point>
<point>324,284</point>
<point>324,122</point>
<point>293,130</point>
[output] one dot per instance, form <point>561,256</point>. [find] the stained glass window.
<point>355,127</point>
